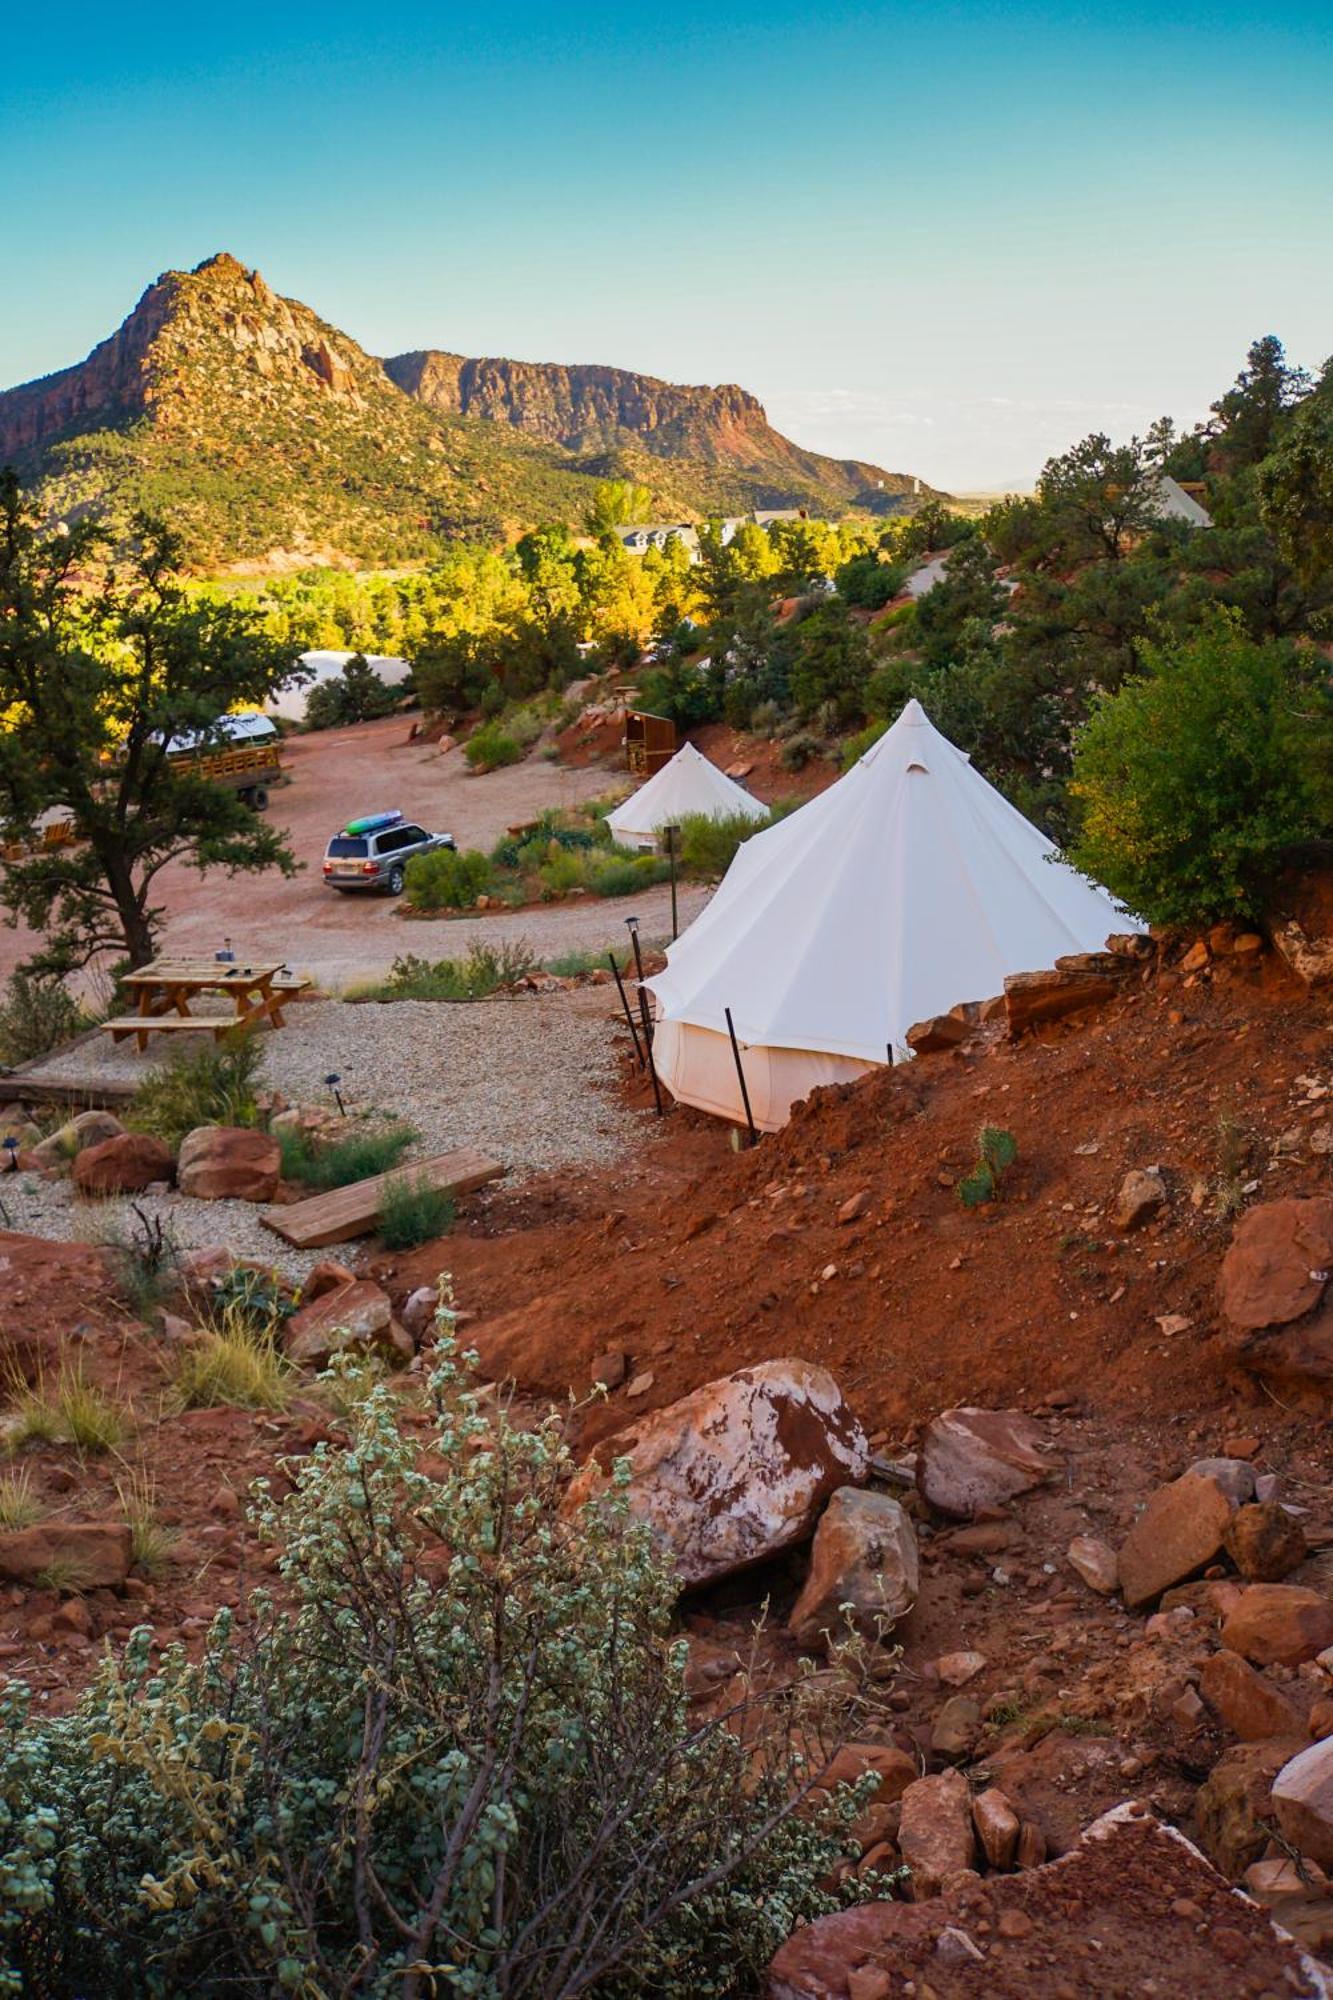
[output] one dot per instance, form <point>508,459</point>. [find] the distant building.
<point>322,664</point>
<point>642,536</point>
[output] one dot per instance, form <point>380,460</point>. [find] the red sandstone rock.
<point>1179,1532</point>
<point>93,1555</point>
<point>1279,1624</point>
<point>228,1163</point>
<point>972,1459</point>
<point>1250,1706</point>
<point>1278,1264</point>
<point>738,1469</point>
<point>1265,1542</point>
<point>355,1314</point>
<point>864,1555</point>
<point>935,1834</point>
<point>125,1164</point>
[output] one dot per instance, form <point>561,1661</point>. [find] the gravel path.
<point>526,1080</point>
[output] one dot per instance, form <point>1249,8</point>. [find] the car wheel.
<point>395,881</point>
<point>258,799</point>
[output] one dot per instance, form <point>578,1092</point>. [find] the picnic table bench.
<point>164,989</point>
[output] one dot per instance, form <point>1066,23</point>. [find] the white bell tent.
<point>688,784</point>
<point>906,887</point>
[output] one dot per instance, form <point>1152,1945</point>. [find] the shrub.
<point>151,1543</point>
<point>335,1163</point>
<point>211,1085</point>
<point>708,846</point>
<point>487,969</point>
<point>798,750</point>
<point>855,747</point>
<point>145,1257</point>
<point>37,1013</point>
<point>1192,783</point>
<point>413,1212</point>
<point>459,1756</point>
<point>622,875</point>
<point>764,718</point>
<point>996,1152</point>
<point>491,746</point>
<point>446,879</point>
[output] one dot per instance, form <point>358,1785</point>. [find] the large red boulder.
<point>228,1163</point>
<point>737,1470</point>
<point>126,1164</point>
<point>1277,1267</point>
<point>82,1555</point>
<point>350,1313</point>
<point>970,1459</point>
<point>1279,1624</point>
<point>1181,1529</point>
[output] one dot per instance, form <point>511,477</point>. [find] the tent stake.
<point>648,1043</point>
<point>632,925</point>
<point>745,1095</point>
<point>624,1001</point>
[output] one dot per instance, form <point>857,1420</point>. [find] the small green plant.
<point>447,879</point>
<point>65,1575</point>
<point>37,1013</point>
<point>797,751</point>
<point>260,1298</point>
<point>491,746</point>
<point>19,1505</point>
<point>996,1152</point>
<point>485,970</point>
<point>708,846</point>
<point>336,1163</point>
<point>413,1212</point>
<point>212,1085</point>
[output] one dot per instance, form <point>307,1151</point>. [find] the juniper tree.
<point>100,667</point>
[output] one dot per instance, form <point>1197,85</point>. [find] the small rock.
<point>935,1835</point>
<point>864,1556</point>
<point>357,1314</point>
<point>126,1163</point>
<point>640,1385</point>
<point>94,1555</point>
<point>957,1669</point>
<point>855,1206</point>
<point>1303,1798</point>
<point>419,1310</point>
<point>1233,1475</point>
<point>1014,1924</point>
<point>610,1369</point>
<point>868,1982</point>
<point>1179,1532</point>
<point>1264,1542</point>
<point>1250,1706</point>
<point>971,1459</point>
<point>956,1727</point>
<point>1095,1562</point>
<point>1278,1624</point>
<point>1142,1195</point>
<point>1031,1845</point>
<point>997,1827</point>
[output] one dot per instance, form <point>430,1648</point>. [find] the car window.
<point>412,834</point>
<point>389,843</point>
<point>344,848</point>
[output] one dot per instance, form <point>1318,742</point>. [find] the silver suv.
<point>373,853</point>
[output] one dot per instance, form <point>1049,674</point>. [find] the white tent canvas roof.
<point>906,887</point>
<point>289,700</point>
<point>688,784</point>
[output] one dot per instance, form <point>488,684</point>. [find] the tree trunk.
<point>134,925</point>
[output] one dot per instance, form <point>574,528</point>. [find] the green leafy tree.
<point>1248,419</point>
<point>1296,486</point>
<point>831,663</point>
<point>95,682</point>
<point>1194,781</point>
<point>617,503</point>
<point>357,694</point>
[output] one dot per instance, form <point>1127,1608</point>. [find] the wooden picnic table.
<point>164,989</point>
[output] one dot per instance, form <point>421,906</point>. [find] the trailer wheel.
<point>259,798</point>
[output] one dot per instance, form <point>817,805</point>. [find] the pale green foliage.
<point>456,1761</point>
<point>212,1085</point>
<point>996,1152</point>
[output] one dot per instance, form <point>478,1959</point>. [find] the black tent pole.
<point>745,1095</point>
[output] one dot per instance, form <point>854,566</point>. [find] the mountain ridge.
<point>274,438</point>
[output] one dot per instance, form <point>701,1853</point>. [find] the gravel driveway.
<point>527,1080</point>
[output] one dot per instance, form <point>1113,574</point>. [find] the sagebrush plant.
<point>492,745</point>
<point>447,878</point>
<point>485,970</point>
<point>413,1212</point>
<point>996,1152</point>
<point>212,1085</point>
<point>37,1013</point>
<point>458,1758</point>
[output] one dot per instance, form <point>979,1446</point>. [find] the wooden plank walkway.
<point>353,1211</point>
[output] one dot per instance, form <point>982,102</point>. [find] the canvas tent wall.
<point>908,886</point>
<point>688,784</point>
<point>290,699</point>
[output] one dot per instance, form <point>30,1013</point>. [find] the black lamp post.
<point>672,838</point>
<point>333,1079</point>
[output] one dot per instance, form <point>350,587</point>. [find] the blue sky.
<point>951,239</point>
